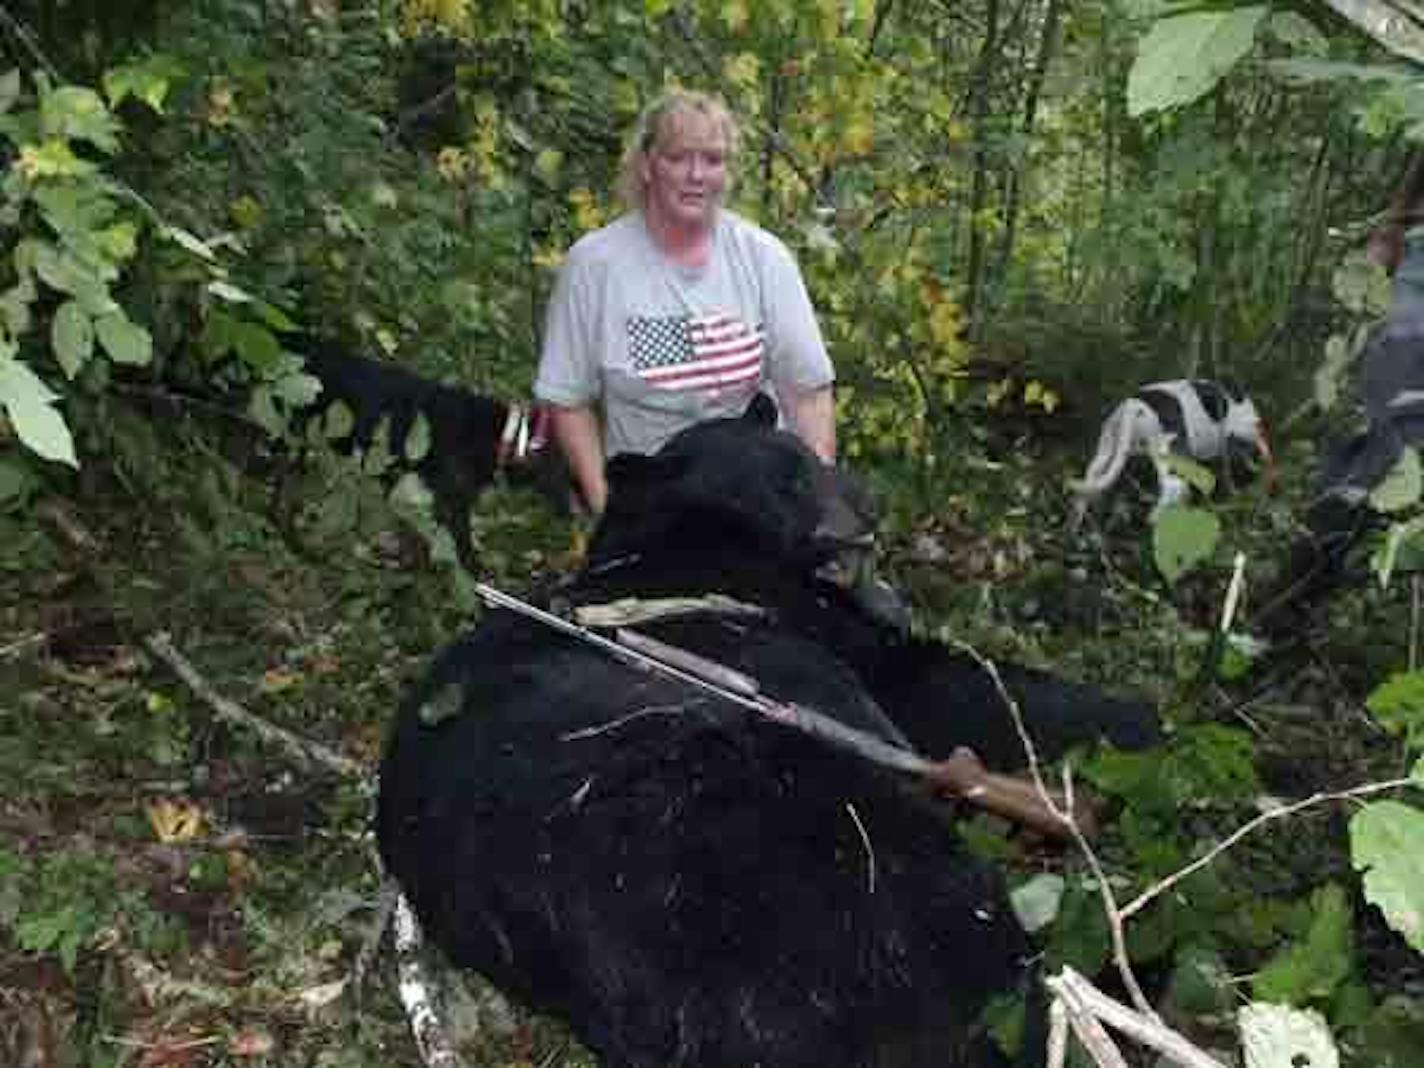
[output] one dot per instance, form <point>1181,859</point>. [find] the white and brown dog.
<point>1192,417</point>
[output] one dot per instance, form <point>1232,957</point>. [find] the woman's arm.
<point>579,436</point>
<point>812,414</point>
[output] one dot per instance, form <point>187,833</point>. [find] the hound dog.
<point>1192,417</point>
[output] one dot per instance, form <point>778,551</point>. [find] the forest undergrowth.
<point>182,889</point>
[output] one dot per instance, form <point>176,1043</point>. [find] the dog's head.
<point>1245,424</point>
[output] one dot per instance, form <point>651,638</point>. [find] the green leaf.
<point>148,81</point>
<point>72,334</point>
<point>118,242</point>
<point>1195,474</point>
<point>1183,537</point>
<point>1184,56</point>
<point>229,292</point>
<point>1402,486</point>
<point>376,458</point>
<point>1201,983</point>
<point>1297,32</point>
<point>1417,774</point>
<point>30,405</point>
<point>1362,285</point>
<point>15,307</point>
<point>194,244</point>
<point>74,206</point>
<point>1330,375</point>
<point>274,316</point>
<point>1080,935</point>
<point>1007,1018</point>
<point>1394,1034</point>
<point>1273,1036</point>
<point>124,340</point>
<point>1402,546</point>
<point>262,410</point>
<point>338,421</point>
<point>53,158</point>
<point>1387,845</point>
<point>1036,901</point>
<point>1120,773</point>
<point>1311,969</point>
<point>1398,704</point>
<point>416,446</point>
<point>256,346</point>
<point>1208,760</point>
<point>17,483</point>
<point>65,272</point>
<point>250,342</point>
<point>74,112</point>
<point>9,90</point>
<point>297,390</point>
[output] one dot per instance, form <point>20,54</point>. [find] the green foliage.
<point>1079,937</point>
<point>973,267</point>
<point>1198,761</point>
<point>1036,902</point>
<point>69,899</point>
<point>1274,1035</point>
<point>1400,489</point>
<point>1387,845</point>
<point>1183,57</point>
<point>1401,549</point>
<point>1200,984</point>
<point>1183,537</point>
<point>1394,1033</point>
<point>70,242</point>
<point>1398,704</point>
<point>1311,969</point>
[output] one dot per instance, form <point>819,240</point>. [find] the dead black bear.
<point>686,882</point>
<point>470,437</point>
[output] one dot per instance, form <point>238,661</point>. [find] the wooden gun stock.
<point>964,775</point>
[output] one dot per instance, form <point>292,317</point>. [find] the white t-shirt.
<point>665,346</point>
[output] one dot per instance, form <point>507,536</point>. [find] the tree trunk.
<point>1046,44</point>
<point>979,184</point>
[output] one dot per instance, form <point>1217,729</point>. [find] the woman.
<point>680,310</point>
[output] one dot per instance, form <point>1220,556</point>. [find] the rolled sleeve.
<point>568,372</point>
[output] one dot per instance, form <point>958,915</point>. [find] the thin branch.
<point>386,903</point>
<point>300,749</point>
<point>865,841</point>
<point>1088,1028</point>
<point>1414,621</point>
<point>1057,1034</point>
<point>1083,998</point>
<point>27,38</point>
<point>24,645</point>
<point>1156,890</point>
<point>1105,891</point>
<point>621,721</point>
<point>417,992</point>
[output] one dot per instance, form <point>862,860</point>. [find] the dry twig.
<point>299,749</point>
<point>1115,927</point>
<point>416,994</point>
<point>1157,889</point>
<point>1083,1001</point>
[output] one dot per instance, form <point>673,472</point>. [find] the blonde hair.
<point>652,124</point>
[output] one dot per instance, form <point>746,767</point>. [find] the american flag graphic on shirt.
<point>684,352</point>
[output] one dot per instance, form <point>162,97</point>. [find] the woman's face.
<point>685,172</point>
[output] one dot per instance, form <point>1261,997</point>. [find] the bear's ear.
<point>761,411</point>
